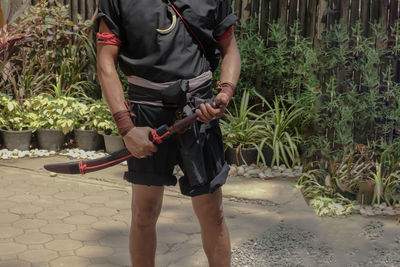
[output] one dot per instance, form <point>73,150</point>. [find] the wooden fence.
<point>313,15</point>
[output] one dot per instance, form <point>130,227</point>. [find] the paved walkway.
<point>84,220</point>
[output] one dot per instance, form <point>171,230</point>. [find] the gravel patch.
<point>283,245</point>
<point>373,230</point>
<point>260,202</point>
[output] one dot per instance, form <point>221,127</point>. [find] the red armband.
<point>227,34</point>
<point>108,39</point>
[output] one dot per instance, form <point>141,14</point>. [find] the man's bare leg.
<point>214,231</point>
<point>146,207</point>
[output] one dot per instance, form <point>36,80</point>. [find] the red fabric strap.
<point>108,39</point>
<point>226,88</point>
<point>123,120</point>
<point>190,29</point>
<point>226,35</point>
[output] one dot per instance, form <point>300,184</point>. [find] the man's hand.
<point>207,112</point>
<point>138,143</point>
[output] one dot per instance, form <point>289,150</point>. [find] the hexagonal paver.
<point>58,228</point>
<point>110,226</point>
<point>94,251</point>
<point>114,193</point>
<point>101,211</point>
<point>74,206</point>
<point>15,263</point>
<point>8,218</point>
<point>72,261</point>
<point>52,214</point>
<point>93,199</point>
<point>23,208</point>
<point>25,198</point>
<point>119,204</point>
<point>115,241</point>
<point>62,245</point>
<point>38,255</point>
<point>80,219</point>
<point>48,202</point>
<point>86,235</point>
<point>9,232</point>
<point>120,259</point>
<point>5,204</point>
<point>11,248</point>
<point>68,195</point>
<point>29,223</point>
<point>33,238</point>
<point>6,193</point>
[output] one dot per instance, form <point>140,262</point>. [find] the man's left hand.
<point>207,112</point>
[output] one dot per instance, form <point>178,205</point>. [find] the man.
<point>168,50</point>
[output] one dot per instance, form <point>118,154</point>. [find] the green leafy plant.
<point>240,127</point>
<point>96,116</point>
<point>281,134</point>
<point>55,113</point>
<point>324,206</point>
<point>13,117</point>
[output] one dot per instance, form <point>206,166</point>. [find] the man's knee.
<point>145,216</point>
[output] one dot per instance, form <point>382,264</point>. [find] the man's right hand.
<point>138,143</point>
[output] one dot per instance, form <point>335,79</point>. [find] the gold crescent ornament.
<point>173,24</point>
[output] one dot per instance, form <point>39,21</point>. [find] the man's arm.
<point>230,72</point>
<point>137,139</point>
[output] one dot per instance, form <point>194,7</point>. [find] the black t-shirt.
<point>160,58</point>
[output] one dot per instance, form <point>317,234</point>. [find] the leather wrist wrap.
<point>123,121</point>
<point>226,88</point>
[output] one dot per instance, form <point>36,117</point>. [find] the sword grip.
<point>160,134</point>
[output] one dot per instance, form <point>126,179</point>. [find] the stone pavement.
<point>74,220</point>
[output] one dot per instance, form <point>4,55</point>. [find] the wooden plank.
<point>255,8</point>
<point>274,11</point>
<point>74,10</point>
<point>384,13</point>
<point>365,16</point>
<point>283,4</point>
<point>90,8</point>
<point>238,8</point>
<point>264,18</point>
<point>292,12</point>
<point>375,11</point>
<point>312,14</point>
<point>354,12</point>
<point>246,8</point>
<point>345,12</point>
<point>321,20</point>
<point>82,8</point>
<point>302,15</point>
<point>393,14</point>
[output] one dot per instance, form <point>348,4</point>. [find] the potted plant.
<point>86,127</point>
<point>15,124</point>
<point>242,133</point>
<point>280,132</point>
<point>107,127</point>
<point>55,118</point>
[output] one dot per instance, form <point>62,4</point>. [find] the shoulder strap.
<point>188,27</point>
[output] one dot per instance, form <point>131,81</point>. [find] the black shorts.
<point>199,152</point>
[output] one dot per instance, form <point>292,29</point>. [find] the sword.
<point>157,136</point>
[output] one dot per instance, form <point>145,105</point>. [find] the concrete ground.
<point>74,220</point>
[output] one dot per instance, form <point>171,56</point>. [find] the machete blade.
<point>67,168</point>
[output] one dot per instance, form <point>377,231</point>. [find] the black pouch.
<point>175,94</point>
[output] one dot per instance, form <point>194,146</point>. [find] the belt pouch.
<point>175,94</point>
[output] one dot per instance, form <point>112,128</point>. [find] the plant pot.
<point>366,192</point>
<point>242,156</point>
<point>20,140</point>
<point>50,139</point>
<point>113,143</point>
<point>88,140</point>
